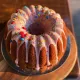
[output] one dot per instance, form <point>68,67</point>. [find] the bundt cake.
<point>35,38</point>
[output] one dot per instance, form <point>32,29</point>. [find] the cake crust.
<point>33,47</point>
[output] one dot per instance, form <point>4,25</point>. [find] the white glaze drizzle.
<point>17,16</point>
<point>11,26</point>
<point>22,13</point>
<point>33,10</point>
<point>29,13</point>
<point>45,9</point>
<point>18,46</point>
<point>14,15</point>
<point>52,12</point>
<point>56,36</point>
<point>34,43</point>
<point>59,37</point>
<point>26,45</point>
<point>59,31</point>
<point>59,23</point>
<point>16,38</point>
<point>41,42</point>
<point>49,41</point>
<point>27,10</point>
<point>26,16</point>
<point>39,8</point>
<point>8,34</point>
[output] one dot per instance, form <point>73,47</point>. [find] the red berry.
<point>22,34</point>
<point>16,10</point>
<point>24,28</point>
<point>12,22</point>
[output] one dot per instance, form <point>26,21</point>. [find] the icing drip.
<point>45,9</point>
<point>59,31</point>
<point>29,13</point>
<point>54,36</point>
<point>41,43</point>
<point>16,38</point>
<point>52,11</point>
<point>26,45</point>
<point>11,26</point>
<point>18,16</point>
<point>18,46</point>
<point>49,41</point>
<point>34,43</point>
<point>18,24</point>
<point>27,10</point>
<point>58,16</point>
<point>58,37</point>
<point>25,16</point>
<point>39,8</point>
<point>8,34</point>
<point>22,13</point>
<point>14,15</point>
<point>22,18</point>
<point>33,10</point>
<point>59,23</point>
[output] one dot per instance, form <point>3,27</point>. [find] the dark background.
<point>75,11</point>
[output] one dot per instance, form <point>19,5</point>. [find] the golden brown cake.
<point>35,38</point>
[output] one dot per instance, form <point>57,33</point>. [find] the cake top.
<point>34,20</point>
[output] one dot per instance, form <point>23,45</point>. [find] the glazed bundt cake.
<point>35,38</point>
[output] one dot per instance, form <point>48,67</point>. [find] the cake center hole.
<point>41,26</point>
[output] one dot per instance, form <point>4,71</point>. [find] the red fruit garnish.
<point>17,10</point>
<point>24,28</point>
<point>22,34</point>
<point>12,22</point>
